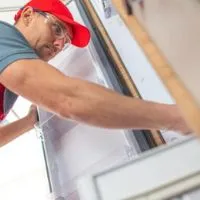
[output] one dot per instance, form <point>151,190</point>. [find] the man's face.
<point>48,35</point>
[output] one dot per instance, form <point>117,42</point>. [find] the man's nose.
<point>59,44</point>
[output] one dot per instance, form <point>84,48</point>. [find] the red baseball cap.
<point>81,34</point>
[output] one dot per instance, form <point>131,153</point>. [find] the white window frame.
<point>148,177</point>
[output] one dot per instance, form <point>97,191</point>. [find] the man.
<point>41,31</point>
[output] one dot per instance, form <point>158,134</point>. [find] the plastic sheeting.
<point>74,149</point>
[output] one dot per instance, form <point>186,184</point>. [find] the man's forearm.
<point>13,130</point>
<point>99,106</point>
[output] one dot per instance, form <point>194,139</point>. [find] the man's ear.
<point>27,15</point>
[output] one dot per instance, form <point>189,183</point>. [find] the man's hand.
<point>180,124</point>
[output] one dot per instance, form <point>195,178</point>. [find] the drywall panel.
<point>175,27</point>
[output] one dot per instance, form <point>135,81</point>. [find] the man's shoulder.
<point>10,34</point>
<point>6,29</point>
<point>13,46</point>
<point>3,23</point>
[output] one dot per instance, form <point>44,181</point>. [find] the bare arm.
<point>86,102</point>
<point>13,130</point>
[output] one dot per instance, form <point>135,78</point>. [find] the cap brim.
<point>81,34</point>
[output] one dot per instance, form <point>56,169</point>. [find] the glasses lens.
<point>58,30</point>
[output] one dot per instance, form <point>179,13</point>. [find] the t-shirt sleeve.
<point>14,57</point>
<point>13,46</point>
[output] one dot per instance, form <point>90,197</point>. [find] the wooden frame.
<point>183,97</point>
<point>157,137</point>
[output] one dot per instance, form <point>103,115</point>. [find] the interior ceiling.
<point>10,4</point>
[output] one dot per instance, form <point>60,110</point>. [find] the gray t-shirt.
<point>13,47</point>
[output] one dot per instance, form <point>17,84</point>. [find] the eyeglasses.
<point>58,30</point>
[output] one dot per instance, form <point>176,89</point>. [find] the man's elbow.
<point>63,107</point>
<point>73,109</point>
